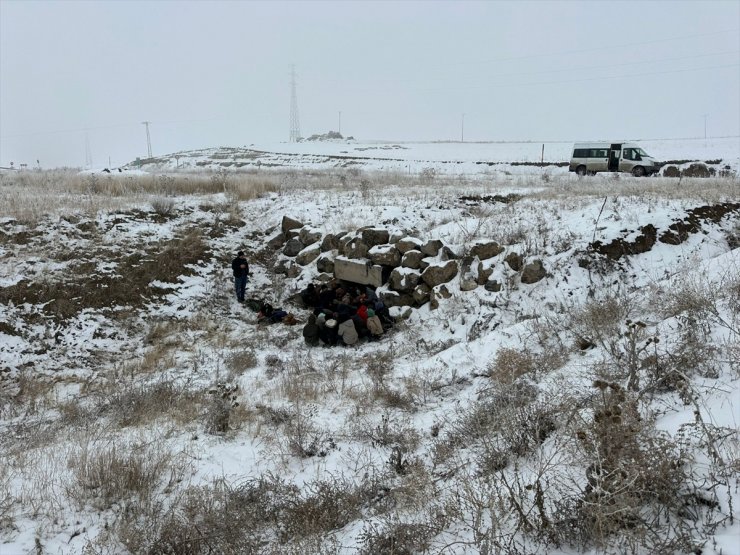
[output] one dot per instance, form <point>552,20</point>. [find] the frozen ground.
<point>469,159</point>
<point>593,410</point>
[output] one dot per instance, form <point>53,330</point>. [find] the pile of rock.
<point>409,271</point>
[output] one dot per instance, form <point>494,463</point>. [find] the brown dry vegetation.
<point>521,465</point>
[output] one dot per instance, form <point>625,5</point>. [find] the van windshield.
<point>642,152</point>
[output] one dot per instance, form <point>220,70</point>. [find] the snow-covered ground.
<point>469,159</point>
<point>590,409</point>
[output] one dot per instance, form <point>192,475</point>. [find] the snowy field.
<point>572,389</point>
<point>468,159</point>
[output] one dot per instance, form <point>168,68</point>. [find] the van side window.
<point>580,153</point>
<point>629,154</point>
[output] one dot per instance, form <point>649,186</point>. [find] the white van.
<point>590,158</point>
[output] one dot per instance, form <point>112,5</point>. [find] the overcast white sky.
<point>215,73</point>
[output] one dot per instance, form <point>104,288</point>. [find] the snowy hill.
<point>469,159</point>
<point>561,376</point>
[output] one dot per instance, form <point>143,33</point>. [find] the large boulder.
<point>396,235</point>
<point>385,255</point>
<point>358,271</point>
<point>431,247</point>
<point>289,223</point>
<point>308,255</point>
<point>277,241</point>
<point>309,235</point>
<point>330,242</point>
<point>514,260</point>
<point>411,259</point>
<point>409,243</point>
<point>393,298</point>
<point>533,272</point>
<point>325,263</point>
<point>403,280</point>
<point>374,236</point>
<point>293,247</point>
<point>436,274</point>
<point>356,248</point>
<point>486,249</point>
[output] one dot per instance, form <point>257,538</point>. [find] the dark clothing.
<point>329,335</point>
<point>240,286</point>
<point>311,331</point>
<point>240,267</point>
<point>326,298</point>
<point>310,296</point>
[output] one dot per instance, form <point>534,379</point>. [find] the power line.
<point>610,47</point>
<point>533,83</point>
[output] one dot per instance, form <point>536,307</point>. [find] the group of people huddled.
<point>343,315</point>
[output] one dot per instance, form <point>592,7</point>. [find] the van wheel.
<point>581,170</point>
<point>638,171</point>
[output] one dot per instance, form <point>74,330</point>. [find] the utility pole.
<point>295,126</point>
<point>462,129</point>
<point>148,139</point>
<point>705,125</point>
<point>340,122</point>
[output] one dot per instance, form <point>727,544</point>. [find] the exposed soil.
<point>679,231</point>
<point>676,233</point>
<point>504,199</point>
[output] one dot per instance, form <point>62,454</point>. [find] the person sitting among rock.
<point>328,334</point>
<point>360,326</point>
<point>310,296</point>
<point>326,297</point>
<point>362,311</point>
<point>346,331</point>
<point>374,325</point>
<point>311,331</point>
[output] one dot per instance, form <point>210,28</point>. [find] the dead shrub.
<point>391,430</point>
<point>136,403</point>
<point>400,538</point>
<point>500,408</point>
<point>599,321</point>
<point>379,367</point>
<point>304,438</point>
<point>394,398</point>
<point>217,416</point>
<point>324,505</point>
<point>107,474</point>
<point>164,206</point>
<point>240,360</point>
<point>263,515</point>
<point>7,498</point>
<point>510,364</point>
<point>636,481</point>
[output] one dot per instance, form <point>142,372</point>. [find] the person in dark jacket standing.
<point>241,271</point>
